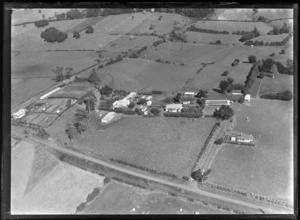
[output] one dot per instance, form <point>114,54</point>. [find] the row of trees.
<point>223,113</point>
<point>250,35</point>
<point>268,64</point>
<point>59,73</point>
<point>196,29</point>
<point>285,29</point>
<point>284,96</point>
<point>261,43</point>
<point>41,23</point>
<point>80,124</point>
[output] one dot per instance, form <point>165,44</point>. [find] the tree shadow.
<point>217,90</point>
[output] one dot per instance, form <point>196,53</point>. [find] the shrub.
<point>201,94</point>
<point>133,55</point>
<point>219,141</point>
<point>131,105</point>
<point>81,207</point>
<point>196,29</point>
<point>106,180</point>
<point>142,101</point>
<point>156,43</point>
<point>106,90</point>
<point>93,194</point>
<point>41,23</point>
<point>157,92</point>
<point>74,14</point>
<point>124,111</point>
<point>218,42</point>
<point>224,113</point>
<point>272,54</point>
<point>284,96</point>
<point>52,35</point>
<point>247,37</point>
<point>76,35</point>
<point>155,111</point>
<point>61,16</point>
<point>182,114</point>
<point>225,73</point>
<point>252,59</point>
<point>89,29</point>
<point>241,100</point>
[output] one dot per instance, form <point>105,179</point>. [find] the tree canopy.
<point>52,35</point>
<point>224,113</point>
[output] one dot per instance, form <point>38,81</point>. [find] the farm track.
<point>187,188</point>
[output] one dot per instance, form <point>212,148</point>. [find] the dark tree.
<point>230,80</point>
<point>93,12</point>
<point>177,97</point>
<point>76,35</point>
<point>223,85</point>
<point>93,78</point>
<point>155,111</point>
<point>89,29</point>
<point>41,23</point>
<point>61,17</point>
<point>219,141</point>
<point>52,35</point>
<point>131,105</point>
<point>80,127</point>
<point>201,93</point>
<point>69,72</point>
<point>225,73</point>
<point>74,14</point>
<point>224,113</point>
<point>70,131</point>
<point>199,176</point>
<point>218,42</point>
<point>106,90</point>
<point>201,102</point>
<point>58,74</point>
<point>241,100</point>
<point>81,116</point>
<point>252,59</point>
<point>267,64</point>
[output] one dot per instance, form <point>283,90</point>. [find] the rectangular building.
<point>217,102</point>
<point>107,118</point>
<point>174,108</point>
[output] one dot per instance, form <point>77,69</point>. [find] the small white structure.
<point>121,103</point>
<point>49,93</point>
<point>236,92</point>
<point>131,37</point>
<point>174,108</point>
<point>107,118</point>
<point>189,94</point>
<point>186,102</point>
<point>247,97</point>
<point>143,97</point>
<point>152,10</point>
<point>149,102</point>
<point>242,138</point>
<point>217,102</point>
<point>19,114</point>
<point>149,97</point>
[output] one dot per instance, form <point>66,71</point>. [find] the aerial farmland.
<point>152,111</point>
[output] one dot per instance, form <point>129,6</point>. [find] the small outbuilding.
<point>247,97</point>
<point>107,118</point>
<point>19,114</point>
<point>174,108</point>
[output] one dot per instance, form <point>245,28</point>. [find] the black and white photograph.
<point>152,110</point>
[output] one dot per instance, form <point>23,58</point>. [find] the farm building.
<point>243,138</point>
<point>107,118</point>
<point>186,102</point>
<point>49,93</point>
<point>236,92</point>
<point>217,102</point>
<point>189,94</point>
<point>149,102</point>
<point>121,103</point>
<point>149,97</point>
<point>174,108</point>
<point>247,97</point>
<point>142,108</point>
<point>19,114</point>
<point>130,96</point>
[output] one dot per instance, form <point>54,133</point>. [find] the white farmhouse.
<point>19,114</point>
<point>174,108</point>
<point>123,103</point>
<point>247,97</point>
<point>107,118</point>
<point>189,94</point>
<point>217,102</point>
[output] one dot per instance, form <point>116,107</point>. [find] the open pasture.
<point>42,119</point>
<point>199,37</point>
<point>279,83</point>
<point>161,27</point>
<point>72,91</point>
<point>119,198</point>
<point>270,38</point>
<point>275,13</point>
<point>137,74</point>
<point>280,23</point>
<point>237,14</point>
<point>85,22</point>
<point>162,144</point>
<point>31,71</point>
<point>266,169</point>
<point>232,26</point>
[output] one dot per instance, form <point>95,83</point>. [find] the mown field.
<point>198,37</point>
<point>138,74</point>
<point>266,169</point>
<point>42,185</point>
<point>270,38</point>
<point>119,198</point>
<point>163,144</point>
<point>232,26</point>
<point>31,71</point>
<point>279,83</point>
<point>238,14</point>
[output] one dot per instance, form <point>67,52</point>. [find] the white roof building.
<point>19,114</point>
<point>149,103</point>
<point>121,103</point>
<point>174,107</point>
<point>107,118</point>
<point>247,97</point>
<point>131,96</point>
<point>189,93</point>
<point>49,93</point>
<point>149,97</point>
<point>217,102</point>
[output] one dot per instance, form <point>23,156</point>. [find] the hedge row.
<point>129,183</point>
<point>111,61</point>
<point>156,43</point>
<point>144,168</point>
<point>183,114</point>
<point>124,111</point>
<point>261,43</point>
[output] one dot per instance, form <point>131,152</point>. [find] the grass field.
<point>137,74</point>
<point>280,23</point>
<point>31,71</point>
<point>279,83</point>
<point>208,38</point>
<point>270,38</point>
<point>233,26</point>
<point>42,185</point>
<point>238,14</point>
<point>266,169</point>
<point>119,198</point>
<point>85,23</point>
<point>278,13</point>
<point>163,144</point>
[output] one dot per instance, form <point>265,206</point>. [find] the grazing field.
<point>266,169</point>
<point>275,13</point>
<point>42,185</point>
<point>31,71</point>
<point>237,14</point>
<point>232,26</point>
<point>85,23</point>
<point>74,90</point>
<point>280,23</point>
<point>119,198</point>
<point>161,27</point>
<point>163,144</point>
<point>270,38</point>
<point>199,37</point>
<point>239,73</point>
<point>137,74</point>
<point>279,83</point>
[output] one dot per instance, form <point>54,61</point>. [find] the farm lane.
<point>184,187</point>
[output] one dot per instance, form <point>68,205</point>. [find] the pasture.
<point>232,26</point>
<point>119,198</point>
<point>237,14</point>
<point>279,83</point>
<point>276,13</point>
<point>31,71</point>
<point>199,37</point>
<point>266,169</point>
<point>74,91</point>
<point>270,38</point>
<point>42,185</point>
<point>163,144</point>
<point>138,74</point>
